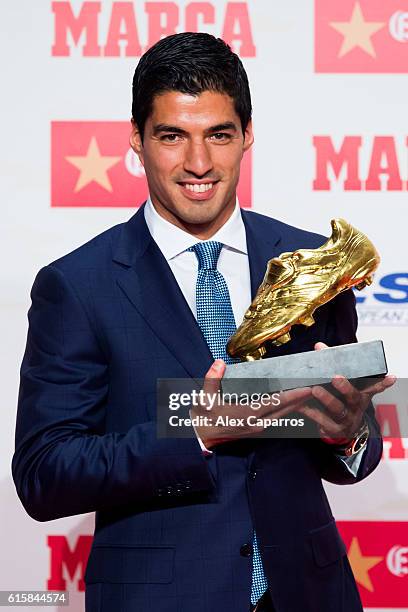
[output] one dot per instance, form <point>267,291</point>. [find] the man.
<point>185,525</point>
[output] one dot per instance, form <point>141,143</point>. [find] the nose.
<point>197,158</point>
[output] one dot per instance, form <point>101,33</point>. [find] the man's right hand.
<point>212,435</point>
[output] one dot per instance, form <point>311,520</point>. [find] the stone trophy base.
<point>357,361</point>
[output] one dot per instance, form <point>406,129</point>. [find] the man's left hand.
<point>342,419</point>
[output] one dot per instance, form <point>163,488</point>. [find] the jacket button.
<point>246,550</point>
<point>159,492</point>
<point>252,475</point>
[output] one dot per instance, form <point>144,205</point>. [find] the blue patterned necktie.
<point>216,320</point>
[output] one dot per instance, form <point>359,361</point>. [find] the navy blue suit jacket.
<point>106,321</point>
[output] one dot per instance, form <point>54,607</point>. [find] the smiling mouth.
<point>198,187</point>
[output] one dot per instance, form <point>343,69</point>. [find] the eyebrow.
<point>220,127</point>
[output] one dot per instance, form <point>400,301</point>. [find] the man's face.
<point>191,152</point>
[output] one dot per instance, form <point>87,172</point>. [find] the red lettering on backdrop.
<point>86,21</point>
<point>237,28</point>
<point>394,449</point>
<point>196,9</point>
<point>387,417</point>
<point>384,149</point>
<point>123,14</point>
<point>383,161</point>
<point>156,11</point>
<point>348,156</point>
<point>62,556</point>
<point>163,18</point>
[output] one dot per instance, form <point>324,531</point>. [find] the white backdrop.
<point>293,105</point>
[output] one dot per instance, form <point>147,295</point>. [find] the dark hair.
<point>190,63</point>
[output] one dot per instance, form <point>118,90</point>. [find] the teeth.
<point>198,188</point>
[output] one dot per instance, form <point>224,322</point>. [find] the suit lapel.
<point>262,244</point>
<point>148,282</point>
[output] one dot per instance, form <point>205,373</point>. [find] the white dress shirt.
<point>233,261</point>
<point>233,264</point>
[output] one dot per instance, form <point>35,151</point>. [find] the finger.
<point>381,385</point>
<point>330,427</point>
<point>279,412</point>
<point>212,380</point>
<point>332,404</point>
<point>351,396</point>
<point>319,346</point>
<point>286,400</point>
<point>294,396</point>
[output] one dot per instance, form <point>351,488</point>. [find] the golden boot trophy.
<point>294,286</point>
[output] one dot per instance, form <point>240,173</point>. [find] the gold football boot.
<point>297,283</point>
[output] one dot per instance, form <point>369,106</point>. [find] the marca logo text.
<point>81,30</point>
<point>357,163</point>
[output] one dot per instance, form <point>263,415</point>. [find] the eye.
<point>221,137</point>
<point>170,138</point>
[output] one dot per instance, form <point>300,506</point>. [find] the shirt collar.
<point>173,240</point>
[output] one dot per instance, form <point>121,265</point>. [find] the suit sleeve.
<point>64,461</point>
<point>342,330</point>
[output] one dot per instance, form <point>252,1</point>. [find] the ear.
<point>248,136</point>
<point>135,142</point>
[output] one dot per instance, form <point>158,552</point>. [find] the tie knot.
<point>207,254</point>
